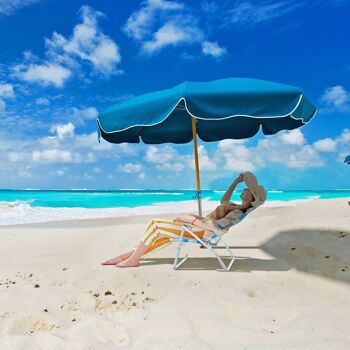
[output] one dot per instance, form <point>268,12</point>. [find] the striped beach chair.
<point>209,244</point>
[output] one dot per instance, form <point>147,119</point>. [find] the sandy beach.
<point>289,287</point>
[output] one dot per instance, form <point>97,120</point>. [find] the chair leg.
<point>231,254</point>
<point>178,263</point>
<point>207,245</point>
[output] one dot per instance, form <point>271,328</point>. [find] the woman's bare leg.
<point>118,258</point>
<point>134,259</point>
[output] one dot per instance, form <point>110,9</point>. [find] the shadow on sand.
<point>324,253</point>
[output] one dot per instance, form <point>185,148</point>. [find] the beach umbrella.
<point>347,159</point>
<point>233,108</point>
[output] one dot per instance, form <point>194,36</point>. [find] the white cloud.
<point>325,145</point>
<point>234,155</point>
<point>55,156</point>
<point>42,101</point>
<point>172,34</point>
<point>159,24</point>
<point>79,115</point>
<point>293,137</point>
<point>8,7</point>
<point>63,131</point>
<point>14,156</point>
<point>205,162</point>
<point>66,55</point>
<point>249,13</point>
<point>336,98</point>
<point>87,43</point>
<point>130,168</point>
<point>141,22</point>
<point>45,74</point>
<point>288,148</point>
<point>213,49</point>
<point>166,158</point>
<point>59,172</point>
<point>6,90</point>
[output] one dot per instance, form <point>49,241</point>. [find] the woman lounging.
<point>159,232</point>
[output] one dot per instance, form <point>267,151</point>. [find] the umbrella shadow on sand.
<point>324,253</point>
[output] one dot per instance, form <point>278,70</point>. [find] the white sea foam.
<point>20,212</point>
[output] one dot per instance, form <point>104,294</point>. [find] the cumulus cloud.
<point>55,156</point>
<point>336,98</point>
<point>64,145</point>
<point>87,44</point>
<point>130,168</point>
<point>6,90</point>
<point>235,155</point>
<point>63,131</point>
<point>172,33</point>
<point>80,115</point>
<point>293,137</point>
<point>140,23</point>
<point>158,24</point>
<point>288,148</point>
<point>213,49</point>
<point>325,145</point>
<point>8,7</point>
<point>45,74</point>
<point>165,158</point>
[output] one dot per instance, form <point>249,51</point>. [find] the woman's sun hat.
<point>257,190</point>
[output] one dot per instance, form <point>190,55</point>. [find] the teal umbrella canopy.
<point>233,108</point>
<point>347,159</point>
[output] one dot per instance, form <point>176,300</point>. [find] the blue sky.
<point>63,61</point>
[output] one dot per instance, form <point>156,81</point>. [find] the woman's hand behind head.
<point>239,178</point>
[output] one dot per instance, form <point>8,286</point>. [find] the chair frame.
<point>208,244</point>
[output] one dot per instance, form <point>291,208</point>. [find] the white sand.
<point>288,289</point>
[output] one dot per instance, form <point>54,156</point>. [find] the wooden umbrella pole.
<point>198,181</point>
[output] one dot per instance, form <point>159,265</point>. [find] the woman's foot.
<point>113,261</point>
<point>128,263</point>
<point>118,258</point>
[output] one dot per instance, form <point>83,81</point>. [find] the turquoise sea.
<point>28,206</point>
<point>134,198</point>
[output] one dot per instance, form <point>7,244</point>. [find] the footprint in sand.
<point>31,324</point>
<point>101,329</point>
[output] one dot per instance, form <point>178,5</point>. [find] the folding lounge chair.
<point>208,244</point>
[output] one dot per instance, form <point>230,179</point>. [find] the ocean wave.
<point>314,197</point>
<point>275,191</point>
<point>20,212</point>
<point>152,193</point>
<point>17,204</point>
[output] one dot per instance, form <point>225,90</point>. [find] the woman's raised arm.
<point>227,196</point>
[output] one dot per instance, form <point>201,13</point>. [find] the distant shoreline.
<point>23,213</point>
